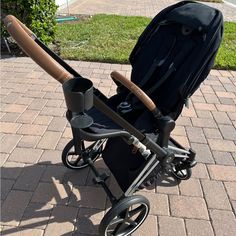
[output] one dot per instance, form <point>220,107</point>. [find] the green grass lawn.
<point>105,38</point>
<point>110,38</point>
<point>226,57</point>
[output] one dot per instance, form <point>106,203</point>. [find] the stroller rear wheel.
<point>125,216</point>
<point>73,161</point>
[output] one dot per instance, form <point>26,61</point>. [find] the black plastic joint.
<point>157,113</point>
<point>101,178</point>
<point>192,154</point>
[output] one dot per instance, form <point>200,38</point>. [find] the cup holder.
<point>78,94</point>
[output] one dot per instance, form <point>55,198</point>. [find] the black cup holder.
<point>78,94</point>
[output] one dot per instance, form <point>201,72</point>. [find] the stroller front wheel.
<point>125,216</point>
<point>182,174</point>
<point>73,161</point>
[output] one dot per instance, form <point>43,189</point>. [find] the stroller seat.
<point>101,126</point>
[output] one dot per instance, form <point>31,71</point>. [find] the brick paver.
<point>20,231</point>
<point>224,222</point>
<point>88,221</point>
<point>28,141</point>
<point>196,135</point>
<point>86,196</point>
<point>28,129</point>
<point>9,127</point>
<point>223,158</point>
<point>191,187</point>
<point>49,140</point>
<point>231,189</point>
<point>62,221</point>
<point>26,155</point>
<point>199,227</point>
<point>224,173</point>
<point>14,207</point>
<point>6,186</point>
<point>204,152</point>
<point>160,204</point>
<point>149,227</point>
<point>215,195</point>
<point>41,197</point>
<point>50,157</point>
<point>29,178</point>
<point>188,207</point>
<point>11,170</point>
<point>213,133</point>
<point>200,171</point>
<point>171,226</point>
<point>35,214</point>
<point>51,193</point>
<point>134,7</point>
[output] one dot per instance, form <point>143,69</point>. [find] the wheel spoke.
<point>71,153</point>
<point>77,161</point>
<point>127,213</point>
<point>128,221</point>
<point>110,231</point>
<point>116,221</point>
<point>124,214</point>
<point>82,145</point>
<point>138,209</point>
<point>131,222</point>
<point>121,227</point>
<point>182,174</point>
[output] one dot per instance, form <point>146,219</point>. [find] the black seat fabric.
<point>101,121</point>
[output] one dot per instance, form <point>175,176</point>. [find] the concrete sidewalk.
<point>147,8</point>
<point>39,196</point>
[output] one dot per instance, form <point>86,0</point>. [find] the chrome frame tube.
<point>181,156</point>
<point>141,177</point>
<point>178,149</point>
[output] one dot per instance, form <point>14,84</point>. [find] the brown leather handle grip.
<point>25,39</point>
<point>147,101</point>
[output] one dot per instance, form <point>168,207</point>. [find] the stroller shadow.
<point>166,180</point>
<point>163,180</point>
<point>45,195</point>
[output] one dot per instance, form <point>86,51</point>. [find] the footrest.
<point>102,178</point>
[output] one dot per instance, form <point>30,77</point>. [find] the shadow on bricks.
<point>48,197</point>
<point>43,200</point>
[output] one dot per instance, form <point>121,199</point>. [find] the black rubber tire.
<point>81,164</point>
<point>119,209</point>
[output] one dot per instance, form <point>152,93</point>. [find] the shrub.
<point>37,15</point>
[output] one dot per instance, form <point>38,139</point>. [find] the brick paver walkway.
<point>147,8</point>
<point>39,196</point>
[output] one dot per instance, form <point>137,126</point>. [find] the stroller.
<point>132,129</point>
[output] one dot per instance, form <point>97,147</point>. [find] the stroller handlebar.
<point>145,99</point>
<point>25,38</point>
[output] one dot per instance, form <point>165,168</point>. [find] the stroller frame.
<point>158,154</point>
<point>162,153</point>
